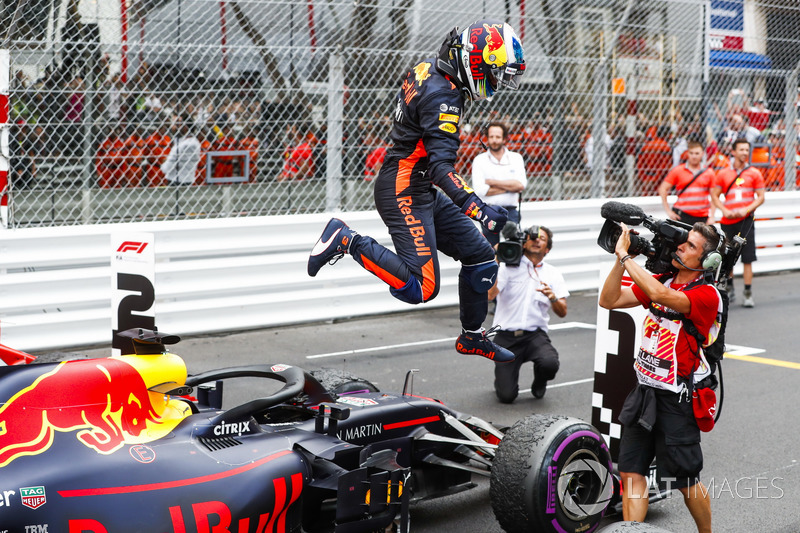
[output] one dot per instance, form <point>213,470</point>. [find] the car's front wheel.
<point>551,473</point>
<point>340,381</point>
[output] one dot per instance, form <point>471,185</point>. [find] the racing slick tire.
<point>631,527</point>
<point>551,473</point>
<point>340,381</point>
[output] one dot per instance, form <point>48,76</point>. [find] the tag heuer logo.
<point>33,497</point>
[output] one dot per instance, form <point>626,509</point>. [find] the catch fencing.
<point>100,93</point>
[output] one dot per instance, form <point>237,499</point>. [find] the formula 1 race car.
<point>133,444</point>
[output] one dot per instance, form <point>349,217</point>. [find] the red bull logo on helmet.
<point>487,51</point>
<point>105,401</point>
<point>494,53</point>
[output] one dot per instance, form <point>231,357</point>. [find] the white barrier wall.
<point>234,274</point>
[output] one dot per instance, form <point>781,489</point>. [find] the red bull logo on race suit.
<point>105,400</point>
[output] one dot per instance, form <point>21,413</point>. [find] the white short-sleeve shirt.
<point>519,304</point>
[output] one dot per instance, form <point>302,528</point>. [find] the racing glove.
<point>493,217</point>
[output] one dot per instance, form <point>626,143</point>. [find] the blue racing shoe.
<point>476,342</point>
<point>334,242</point>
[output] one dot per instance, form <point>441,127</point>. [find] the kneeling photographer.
<point>658,416</point>
<point>526,289</point>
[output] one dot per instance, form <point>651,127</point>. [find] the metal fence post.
<point>333,179</point>
<point>599,129</point>
<point>790,133</point>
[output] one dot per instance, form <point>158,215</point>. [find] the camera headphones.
<point>712,259</point>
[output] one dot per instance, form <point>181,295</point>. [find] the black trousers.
<point>530,346</point>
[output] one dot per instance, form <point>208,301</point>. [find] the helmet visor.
<point>512,73</point>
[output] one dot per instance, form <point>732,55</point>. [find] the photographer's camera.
<point>510,250</point>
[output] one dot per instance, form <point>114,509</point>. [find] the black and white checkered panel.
<point>617,339</point>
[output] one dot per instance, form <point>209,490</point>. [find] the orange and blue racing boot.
<point>334,242</point>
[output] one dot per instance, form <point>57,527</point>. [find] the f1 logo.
<point>132,246</point>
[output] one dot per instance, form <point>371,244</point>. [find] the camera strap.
<point>733,182</point>
<point>699,173</point>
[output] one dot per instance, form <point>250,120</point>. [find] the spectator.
<point>113,104</point>
<point>376,154</point>
<point>654,160</point>
<point>110,159</point>
<point>299,154</point>
<point>249,142</point>
<point>759,115</point>
<point>774,177</point>
<point>752,134</point>
<point>22,155</point>
<point>617,152</point>
<point>156,149</point>
<point>538,147</point>
<point>722,158</point>
<point>734,130</point>
<point>470,147</point>
<point>20,81</point>
<point>134,148</point>
<point>181,164</point>
<point>73,117</point>
<point>498,176</point>
<point>525,294</point>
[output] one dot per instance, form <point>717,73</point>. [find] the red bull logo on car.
<point>105,401</point>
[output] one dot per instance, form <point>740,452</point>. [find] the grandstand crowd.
<point>135,129</point>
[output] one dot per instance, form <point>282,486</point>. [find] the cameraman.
<point>525,294</point>
<point>658,418</point>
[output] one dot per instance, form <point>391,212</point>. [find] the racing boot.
<point>334,242</point>
<point>476,342</point>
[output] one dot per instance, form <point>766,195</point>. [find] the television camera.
<point>667,236</point>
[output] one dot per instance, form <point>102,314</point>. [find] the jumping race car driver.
<point>473,64</point>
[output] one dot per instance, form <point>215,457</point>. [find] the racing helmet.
<point>485,57</point>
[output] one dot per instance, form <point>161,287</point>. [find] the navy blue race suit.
<point>422,218</point>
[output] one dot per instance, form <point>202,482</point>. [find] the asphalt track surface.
<point>752,457</point>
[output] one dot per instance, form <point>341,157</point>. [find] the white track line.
<point>565,325</point>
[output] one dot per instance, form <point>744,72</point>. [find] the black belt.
<point>519,332</point>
